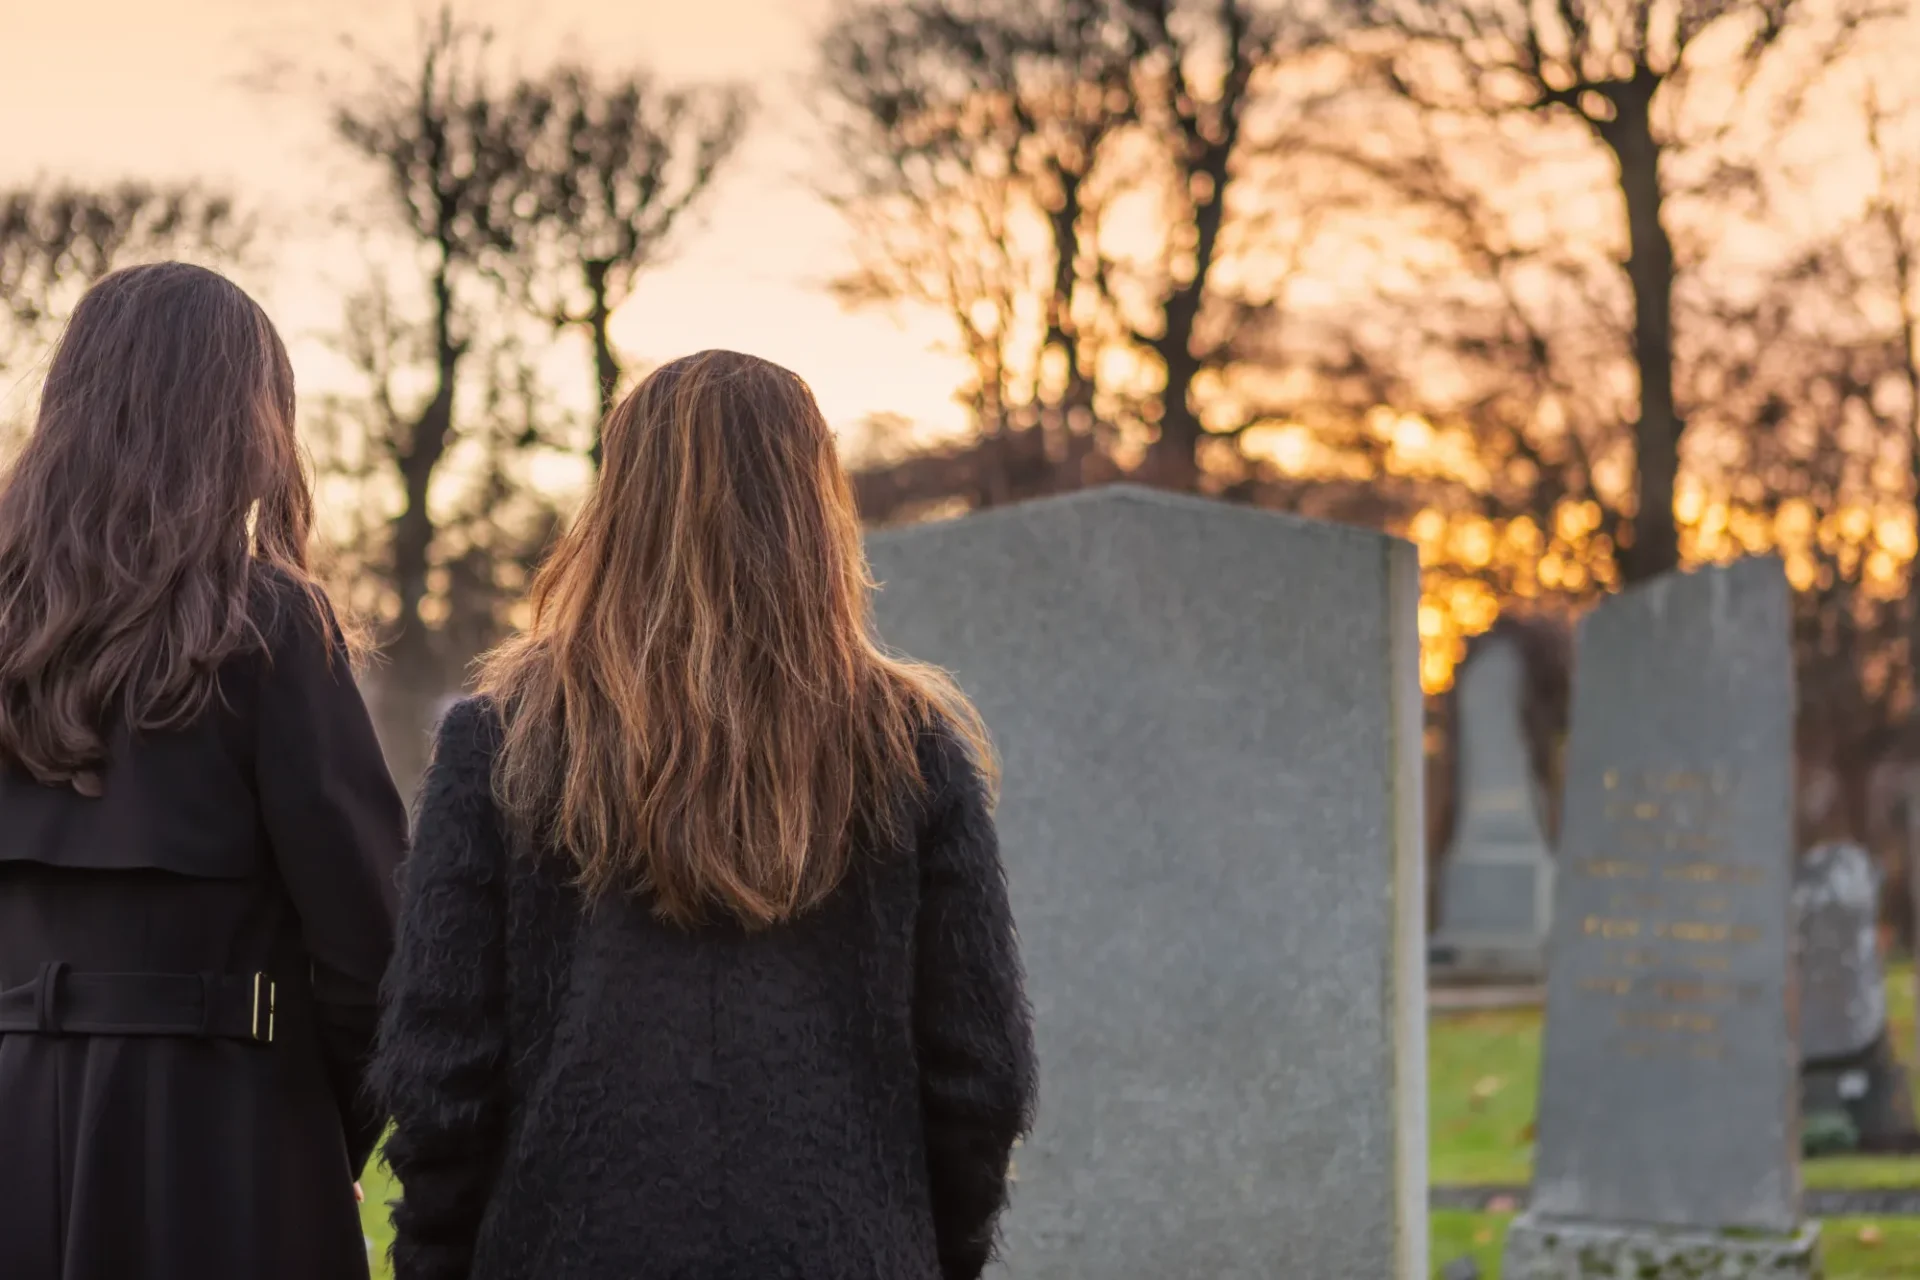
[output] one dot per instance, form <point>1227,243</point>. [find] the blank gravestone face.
<point>1669,1082</point>
<point>1497,879</point>
<point>1209,722</point>
<point>1843,1003</point>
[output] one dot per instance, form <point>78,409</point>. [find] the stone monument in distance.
<point>1496,885</point>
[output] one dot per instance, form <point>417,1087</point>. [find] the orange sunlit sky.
<point>169,89</point>
<point>236,93</point>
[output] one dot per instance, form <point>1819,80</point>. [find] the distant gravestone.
<point>1209,719</point>
<point>1497,880</point>
<point>1912,824</point>
<point>1848,1067</point>
<point>1843,1001</point>
<point>1668,1125</point>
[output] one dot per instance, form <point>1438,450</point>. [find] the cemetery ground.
<point>1483,1070</point>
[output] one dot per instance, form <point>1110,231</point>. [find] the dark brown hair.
<point>697,712</point>
<point>160,476</point>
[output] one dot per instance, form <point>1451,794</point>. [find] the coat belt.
<point>60,1001</point>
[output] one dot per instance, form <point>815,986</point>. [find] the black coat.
<point>593,1093</point>
<point>266,837</point>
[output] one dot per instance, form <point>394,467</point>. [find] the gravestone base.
<point>1477,964</point>
<point>1561,1250</point>
<point>1870,1089</point>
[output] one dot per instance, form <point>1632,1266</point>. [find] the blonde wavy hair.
<point>698,712</point>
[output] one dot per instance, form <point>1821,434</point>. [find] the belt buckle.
<point>260,1027</point>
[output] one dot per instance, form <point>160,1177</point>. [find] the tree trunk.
<point>1911,371</point>
<point>1062,333</point>
<point>606,365</point>
<point>1204,168</point>
<point>1174,458</point>
<point>1650,269</point>
<point>412,685</point>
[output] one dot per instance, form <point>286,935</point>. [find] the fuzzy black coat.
<point>593,1093</point>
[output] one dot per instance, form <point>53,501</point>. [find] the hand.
<point>359,1196</point>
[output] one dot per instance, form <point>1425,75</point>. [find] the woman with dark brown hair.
<point>198,836</point>
<point>706,969</point>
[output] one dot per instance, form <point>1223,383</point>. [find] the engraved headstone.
<point>1668,1124</point>
<point>1848,1067</point>
<point>1497,880</point>
<point>1209,719</point>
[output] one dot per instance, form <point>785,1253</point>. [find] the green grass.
<point>1895,1255</point>
<point>1483,1076</point>
<point>1483,1073</point>
<point>1454,1232</point>
<point>373,1214</point>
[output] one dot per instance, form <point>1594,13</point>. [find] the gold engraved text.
<point>1662,1020</point>
<point>1614,869</point>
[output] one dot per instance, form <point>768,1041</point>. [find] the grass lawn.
<point>373,1214</point>
<point>1483,1070</point>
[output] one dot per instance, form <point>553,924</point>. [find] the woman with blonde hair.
<point>706,968</point>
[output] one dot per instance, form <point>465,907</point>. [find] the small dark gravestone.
<point>1497,883</point>
<point>1209,719</point>
<point>1848,1067</point>
<point>1668,1126</point>
<point>1912,824</point>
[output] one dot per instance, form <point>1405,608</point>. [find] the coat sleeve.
<point>338,831</point>
<point>442,1061</point>
<point>972,1025</point>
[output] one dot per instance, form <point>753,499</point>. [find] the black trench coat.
<point>264,838</point>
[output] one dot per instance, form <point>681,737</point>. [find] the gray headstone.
<point>1209,719</point>
<point>1669,1087</point>
<point>1497,881</point>
<point>1848,1066</point>
<point>1913,885</point>
<point>1843,999</point>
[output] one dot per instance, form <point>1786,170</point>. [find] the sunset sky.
<point>165,89</point>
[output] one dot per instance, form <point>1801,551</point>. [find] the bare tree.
<point>1623,71</point>
<point>1201,120</point>
<point>1892,219</point>
<point>58,238</point>
<point>451,150</point>
<point>966,136</point>
<point>987,148</point>
<point>618,168</point>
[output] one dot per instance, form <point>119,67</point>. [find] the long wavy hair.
<point>160,477</point>
<point>698,714</point>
